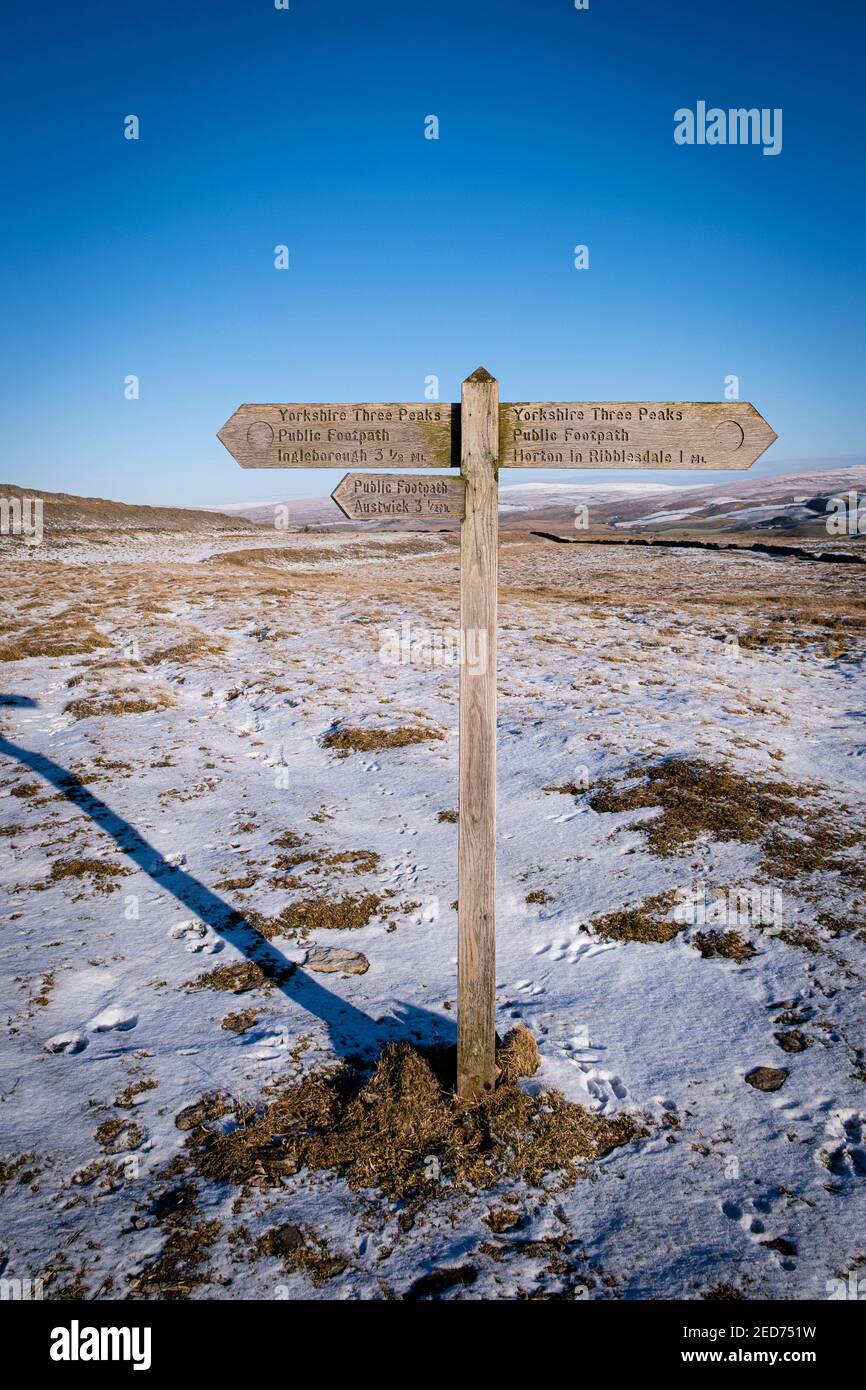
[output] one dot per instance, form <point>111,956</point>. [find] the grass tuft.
<point>404,1132</point>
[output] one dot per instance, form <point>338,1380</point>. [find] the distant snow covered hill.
<point>795,504</point>
<point>792,503</point>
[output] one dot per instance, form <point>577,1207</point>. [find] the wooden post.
<point>476,858</point>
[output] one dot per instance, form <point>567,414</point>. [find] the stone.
<point>793,1040</point>
<point>330,960</point>
<point>767,1078</point>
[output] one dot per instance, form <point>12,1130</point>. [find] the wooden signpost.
<point>482,436</point>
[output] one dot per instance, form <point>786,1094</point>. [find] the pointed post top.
<point>481,374</point>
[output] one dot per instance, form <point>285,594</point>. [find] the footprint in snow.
<point>113,1020</point>
<point>66,1043</point>
<point>577,1044</point>
<point>269,1046</point>
<point>404,873</point>
<point>164,863</point>
<point>665,1106</point>
<point>585,950</point>
<point>196,937</point>
<point>749,1216</point>
<point>606,1088</point>
<point>556,948</point>
<point>573,951</point>
<point>844,1153</point>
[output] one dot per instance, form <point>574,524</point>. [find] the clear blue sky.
<point>409,256</point>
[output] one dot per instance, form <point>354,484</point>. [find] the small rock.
<point>283,1240</point>
<point>767,1078</point>
<point>793,1040</point>
<point>329,960</point>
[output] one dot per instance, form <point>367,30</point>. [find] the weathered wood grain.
<point>401,496</point>
<point>476,855</point>
<point>631,434</point>
<point>355,435</point>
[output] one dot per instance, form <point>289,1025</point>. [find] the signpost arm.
<point>476,869</point>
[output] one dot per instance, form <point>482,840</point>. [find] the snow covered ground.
<point>165,723</point>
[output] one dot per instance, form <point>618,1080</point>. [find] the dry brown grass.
<point>180,1265</point>
<point>230,885</point>
<point>354,861</point>
<point>538,895</point>
<point>302,1251</point>
<point>127,1098</point>
<point>19,1168</point>
<point>820,845</point>
<point>117,1136</point>
<point>241,978</point>
<point>835,637</point>
<point>99,872</point>
<point>54,638</point>
<point>25,789</point>
<point>287,839</point>
<point>357,861</point>
<point>643,922</point>
<point>306,553</point>
<point>696,798</point>
<point>517,1055</point>
<point>349,740</point>
<point>802,939</point>
<point>321,914</point>
<point>798,836</point>
<point>116,704</point>
<point>728,944</point>
<point>191,649</point>
<point>240,1022</point>
<point>382,1131</point>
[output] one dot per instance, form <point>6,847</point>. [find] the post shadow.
<point>353,1034</point>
